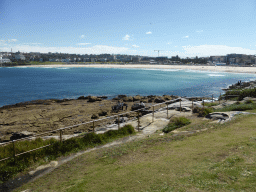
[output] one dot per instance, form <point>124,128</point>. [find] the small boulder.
<point>82,98</point>
<point>121,120</point>
<point>93,99</point>
<point>103,113</point>
<point>121,96</point>
<point>167,97</point>
<point>128,99</point>
<point>19,135</point>
<point>94,116</point>
<point>159,100</point>
<point>137,98</point>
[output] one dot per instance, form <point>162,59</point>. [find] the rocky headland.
<point>34,117</point>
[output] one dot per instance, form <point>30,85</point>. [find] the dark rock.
<point>137,98</point>
<point>93,99</point>
<point>128,99</point>
<point>121,96</point>
<point>20,135</point>
<point>82,98</point>
<point>121,120</point>
<point>167,97</point>
<point>103,113</point>
<point>94,116</point>
<point>77,132</point>
<point>159,100</point>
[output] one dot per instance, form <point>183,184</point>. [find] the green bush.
<point>248,101</point>
<point>238,107</point>
<point>202,111</point>
<point>238,103</point>
<point>176,123</point>
<point>10,167</point>
<point>242,93</point>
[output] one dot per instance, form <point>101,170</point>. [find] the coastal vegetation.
<point>238,107</point>
<point>176,123</point>
<point>11,167</point>
<point>221,158</point>
<point>242,93</point>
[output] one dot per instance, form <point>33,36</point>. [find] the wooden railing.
<point>60,130</point>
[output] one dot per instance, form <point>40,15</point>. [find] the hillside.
<point>220,158</point>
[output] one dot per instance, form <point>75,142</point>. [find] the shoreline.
<point>229,69</point>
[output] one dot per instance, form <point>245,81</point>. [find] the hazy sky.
<point>186,28</point>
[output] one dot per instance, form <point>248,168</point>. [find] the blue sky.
<point>138,27</point>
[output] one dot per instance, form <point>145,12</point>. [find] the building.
<point>19,56</point>
<point>4,60</point>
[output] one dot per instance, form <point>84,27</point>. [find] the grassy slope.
<point>220,159</point>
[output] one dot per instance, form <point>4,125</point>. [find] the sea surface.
<point>21,84</point>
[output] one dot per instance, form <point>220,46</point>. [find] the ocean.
<point>22,84</point>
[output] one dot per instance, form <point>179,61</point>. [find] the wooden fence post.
<point>212,98</point>
<point>118,122</point>
<point>192,106</point>
<point>138,121</point>
<point>153,114</point>
<point>203,103</point>
<point>14,150</point>
<point>167,109</point>
<point>60,136</point>
<point>180,105</point>
<point>219,98</point>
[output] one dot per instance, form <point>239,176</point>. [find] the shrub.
<point>176,123</point>
<point>202,111</point>
<point>181,121</point>
<point>238,103</point>
<point>205,111</point>
<point>242,93</point>
<point>248,101</point>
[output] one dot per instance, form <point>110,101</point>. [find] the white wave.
<point>216,75</point>
<point>63,68</point>
<point>196,71</point>
<point>22,67</point>
<point>161,69</point>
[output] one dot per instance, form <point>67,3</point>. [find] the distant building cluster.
<point>18,57</point>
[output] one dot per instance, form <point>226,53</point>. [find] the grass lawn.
<point>220,159</point>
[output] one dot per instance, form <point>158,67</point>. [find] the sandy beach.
<point>230,69</point>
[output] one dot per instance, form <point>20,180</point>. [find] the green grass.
<point>211,104</point>
<point>238,107</point>
<point>11,167</point>
<point>220,159</point>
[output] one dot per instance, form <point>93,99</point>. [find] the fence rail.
<point>93,122</point>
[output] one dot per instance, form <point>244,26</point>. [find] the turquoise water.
<point>26,84</point>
